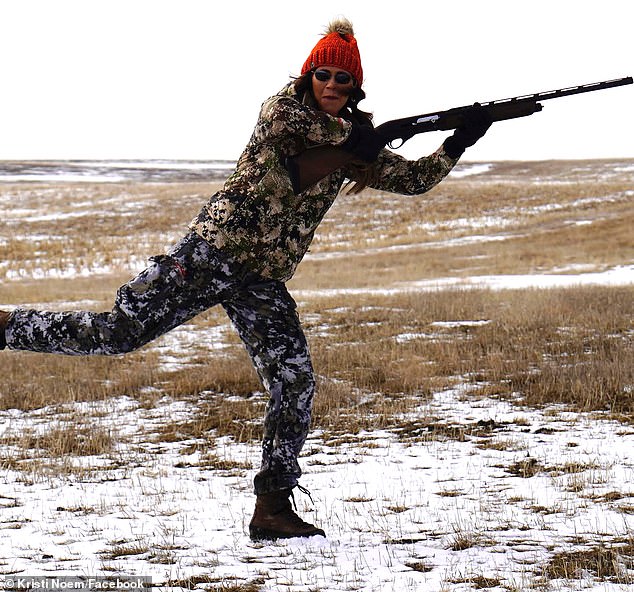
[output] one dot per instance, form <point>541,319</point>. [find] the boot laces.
<point>290,510</point>
<point>305,492</point>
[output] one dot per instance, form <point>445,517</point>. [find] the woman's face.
<point>331,88</point>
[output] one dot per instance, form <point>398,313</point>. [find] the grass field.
<point>498,419</point>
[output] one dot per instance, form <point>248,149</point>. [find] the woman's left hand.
<point>476,122</point>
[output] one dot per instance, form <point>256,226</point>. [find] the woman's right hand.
<point>364,142</point>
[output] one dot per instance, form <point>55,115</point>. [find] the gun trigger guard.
<point>393,143</point>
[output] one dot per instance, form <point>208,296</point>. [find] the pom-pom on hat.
<point>337,49</point>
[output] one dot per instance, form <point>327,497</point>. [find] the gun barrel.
<point>564,92</point>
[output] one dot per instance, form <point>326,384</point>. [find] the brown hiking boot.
<point>274,518</point>
<point>4,320</point>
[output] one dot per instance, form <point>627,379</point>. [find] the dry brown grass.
<point>611,563</point>
<point>377,356</point>
<point>53,452</point>
<point>32,380</point>
<point>533,217</point>
<point>90,226</point>
<point>570,346</point>
<point>219,584</point>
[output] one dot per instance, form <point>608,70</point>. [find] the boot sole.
<point>263,534</point>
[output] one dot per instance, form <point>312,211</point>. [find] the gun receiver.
<point>312,165</point>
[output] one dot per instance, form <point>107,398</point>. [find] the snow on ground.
<point>481,497</point>
<point>414,512</point>
<point>400,514</point>
<point>622,275</point>
<point>467,170</point>
<point>402,511</point>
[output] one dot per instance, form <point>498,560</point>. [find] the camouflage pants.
<point>190,278</point>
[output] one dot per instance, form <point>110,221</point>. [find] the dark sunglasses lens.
<point>340,77</point>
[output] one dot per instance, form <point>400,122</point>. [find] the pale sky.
<point>87,79</point>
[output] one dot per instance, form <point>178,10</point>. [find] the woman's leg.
<point>173,289</point>
<point>266,318</point>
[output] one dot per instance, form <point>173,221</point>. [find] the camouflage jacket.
<point>258,220</point>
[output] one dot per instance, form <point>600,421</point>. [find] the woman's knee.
<point>119,334</point>
<point>298,390</point>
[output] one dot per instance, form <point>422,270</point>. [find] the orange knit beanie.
<point>338,49</point>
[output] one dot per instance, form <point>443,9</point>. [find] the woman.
<point>243,246</point>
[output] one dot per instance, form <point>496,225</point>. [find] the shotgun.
<point>308,167</point>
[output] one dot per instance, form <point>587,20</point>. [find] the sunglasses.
<point>326,75</point>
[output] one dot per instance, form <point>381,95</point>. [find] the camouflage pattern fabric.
<point>190,278</point>
<point>258,219</point>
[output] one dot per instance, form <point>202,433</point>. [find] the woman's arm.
<point>411,177</point>
<point>282,116</point>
